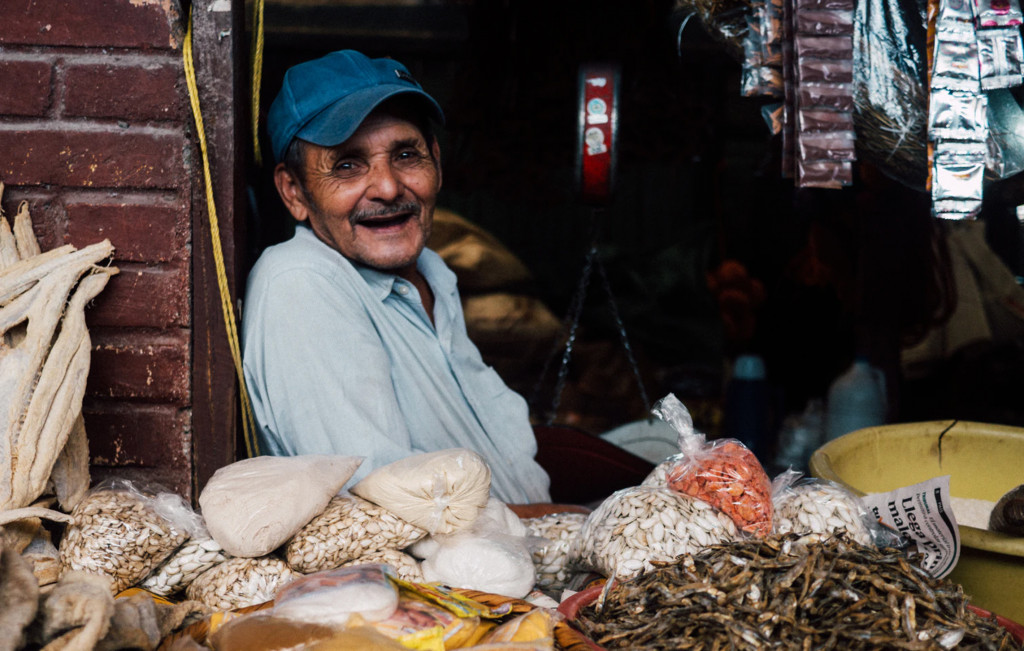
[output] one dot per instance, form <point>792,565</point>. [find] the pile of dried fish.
<point>769,594</point>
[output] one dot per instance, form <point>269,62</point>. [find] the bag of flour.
<point>441,492</point>
<point>251,507</point>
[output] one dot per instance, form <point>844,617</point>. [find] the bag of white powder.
<point>251,507</point>
<point>441,492</point>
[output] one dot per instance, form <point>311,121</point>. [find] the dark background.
<point>839,272</point>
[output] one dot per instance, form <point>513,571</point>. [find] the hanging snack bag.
<point>723,473</point>
<point>348,528</point>
<point>123,531</point>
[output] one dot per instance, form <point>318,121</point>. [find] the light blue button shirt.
<point>341,359</point>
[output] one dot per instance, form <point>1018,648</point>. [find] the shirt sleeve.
<point>319,375</point>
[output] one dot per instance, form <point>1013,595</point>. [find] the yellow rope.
<point>248,423</point>
<point>257,76</point>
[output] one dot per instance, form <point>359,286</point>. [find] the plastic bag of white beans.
<point>552,537</point>
<point>189,561</point>
<point>638,525</point>
<point>818,509</point>
<point>123,530</point>
<point>241,582</point>
<point>347,529</point>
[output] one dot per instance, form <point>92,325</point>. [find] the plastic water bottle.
<point>747,412</point>
<point>856,399</point>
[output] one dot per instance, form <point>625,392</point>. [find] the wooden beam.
<point>219,51</point>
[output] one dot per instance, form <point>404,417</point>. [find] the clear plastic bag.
<point>817,509</point>
<point>350,527</point>
<point>723,473</point>
<point>123,529</point>
<point>333,597</point>
<point>638,525</point>
<point>491,555</point>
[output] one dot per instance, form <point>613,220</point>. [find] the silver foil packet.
<point>958,178</point>
<point>998,13</point>
<point>956,65</point>
<point>1000,56</point>
<point>957,115</point>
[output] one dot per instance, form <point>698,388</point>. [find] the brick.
<point>140,366</point>
<point>26,87</point>
<point>144,297</point>
<point>91,23</point>
<point>115,157</point>
<point>122,433</point>
<point>46,210</point>
<point>129,91</point>
<point>139,229</point>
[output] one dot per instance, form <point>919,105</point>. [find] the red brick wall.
<point>95,134</point>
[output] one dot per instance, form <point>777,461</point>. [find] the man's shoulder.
<point>303,253</point>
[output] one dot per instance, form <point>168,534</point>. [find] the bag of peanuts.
<point>723,472</point>
<point>123,530</point>
<point>350,527</point>
<point>635,526</point>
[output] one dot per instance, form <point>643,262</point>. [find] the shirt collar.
<point>440,278</point>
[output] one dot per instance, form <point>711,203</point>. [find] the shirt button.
<point>402,289</point>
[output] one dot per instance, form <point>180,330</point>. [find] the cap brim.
<point>338,121</point>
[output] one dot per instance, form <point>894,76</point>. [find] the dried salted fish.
<point>773,594</point>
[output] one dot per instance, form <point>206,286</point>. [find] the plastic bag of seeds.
<point>818,509</point>
<point>348,528</point>
<point>723,472</point>
<point>551,538</point>
<point>200,553</point>
<point>241,582</point>
<point>123,530</point>
<point>638,525</point>
<point>403,565</point>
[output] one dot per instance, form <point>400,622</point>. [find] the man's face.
<point>372,197</point>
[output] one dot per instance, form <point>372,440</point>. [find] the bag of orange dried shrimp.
<point>722,472</point>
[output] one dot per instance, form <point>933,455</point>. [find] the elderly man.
<point>353,333</point>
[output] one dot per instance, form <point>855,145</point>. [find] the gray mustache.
<point>382,211</point>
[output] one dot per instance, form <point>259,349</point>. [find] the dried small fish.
<point>772,594</point>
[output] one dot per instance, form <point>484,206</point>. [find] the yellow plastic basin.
<point>983,461</point>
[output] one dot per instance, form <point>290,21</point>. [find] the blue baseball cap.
<point>324,101</point>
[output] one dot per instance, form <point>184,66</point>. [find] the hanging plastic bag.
<point>724,473</point>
